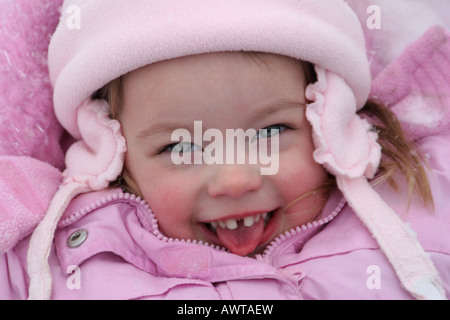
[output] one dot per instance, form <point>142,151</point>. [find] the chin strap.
<point>398,242</point>
<point>42,239</point>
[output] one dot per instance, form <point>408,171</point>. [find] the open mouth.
<point>242,235</point>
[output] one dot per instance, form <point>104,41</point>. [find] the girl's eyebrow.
<point>159,128</point>
<point>279,106</point>
<point>282,105</point>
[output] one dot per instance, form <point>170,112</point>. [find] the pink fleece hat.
<point>100,40</point>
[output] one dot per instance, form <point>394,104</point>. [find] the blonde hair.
<point>399,154</point>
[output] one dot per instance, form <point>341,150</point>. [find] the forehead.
<point>205,84</point>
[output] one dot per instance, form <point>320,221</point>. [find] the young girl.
<point>128,222</point>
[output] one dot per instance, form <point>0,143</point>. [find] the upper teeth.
<point>232,224</point>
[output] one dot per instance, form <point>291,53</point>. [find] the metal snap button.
<point>77,238</point>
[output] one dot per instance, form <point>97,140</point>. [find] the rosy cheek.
<point>170,203</point>
<point>292,172</point>
<point>298,175</point>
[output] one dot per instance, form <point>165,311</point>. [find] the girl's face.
<point>228,204</point>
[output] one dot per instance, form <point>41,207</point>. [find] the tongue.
<point>242,240</point>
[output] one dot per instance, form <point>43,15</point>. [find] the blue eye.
<point>181,147</point>
<point>270,131</point>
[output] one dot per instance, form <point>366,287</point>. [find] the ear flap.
<point>344,143</point>
<point>92,163</point>
<point>97,158</point>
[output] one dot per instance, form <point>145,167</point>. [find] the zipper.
<point>276,243</point>
<point>146,217</point>
<point>150,223</point>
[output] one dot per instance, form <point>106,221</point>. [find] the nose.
<point>234,180</point>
